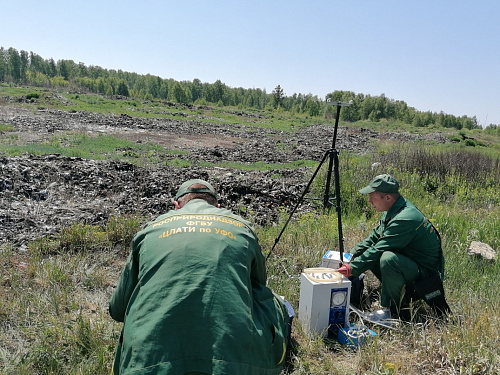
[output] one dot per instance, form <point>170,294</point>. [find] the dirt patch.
<point>179,141</point>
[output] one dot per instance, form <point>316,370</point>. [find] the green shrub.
<point>74,239</point>
<point>120,230</point>
<point>470,142</point>
<point>33,95</point>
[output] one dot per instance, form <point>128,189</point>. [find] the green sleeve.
<point>126,285</point>
<point>259,273</point>
<point>396,235</point>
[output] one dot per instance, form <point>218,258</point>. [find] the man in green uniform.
<point>193,295</point>
<point>403,247</point>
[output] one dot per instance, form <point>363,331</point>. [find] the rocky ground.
<point>41,194</point>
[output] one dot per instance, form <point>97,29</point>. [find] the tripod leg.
<point>299,202</point>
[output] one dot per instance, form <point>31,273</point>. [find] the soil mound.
<point>41,194</point>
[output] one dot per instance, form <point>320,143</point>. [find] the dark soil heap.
<point>41,194</point>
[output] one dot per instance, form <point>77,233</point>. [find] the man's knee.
<point>398,264</point>
<point>388,260</point>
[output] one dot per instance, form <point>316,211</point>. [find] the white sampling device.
<point>324,300</point>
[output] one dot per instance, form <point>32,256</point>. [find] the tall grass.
<point>468,344</point>
<point>53,299</point>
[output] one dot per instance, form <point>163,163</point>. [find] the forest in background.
<point>29,68</point>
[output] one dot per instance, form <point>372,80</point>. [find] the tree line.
<point>29,68</point>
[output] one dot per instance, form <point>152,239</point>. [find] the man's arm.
<point>258,272</point>
<point>394,237</point>
<point>126,285</point>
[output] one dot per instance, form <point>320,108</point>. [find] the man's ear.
<point>177,205</point>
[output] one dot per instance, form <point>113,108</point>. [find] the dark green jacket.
<point>405,230</point>
<point>192,297</point>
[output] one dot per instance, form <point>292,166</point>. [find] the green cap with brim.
<point>383,183</point>
<point>185,188</point>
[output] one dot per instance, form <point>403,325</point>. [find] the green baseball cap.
<point>383,183</point>
<point>185,188</point>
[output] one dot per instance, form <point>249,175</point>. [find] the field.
<point>81,173</point>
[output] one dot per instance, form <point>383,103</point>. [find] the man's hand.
<point>345,270</point>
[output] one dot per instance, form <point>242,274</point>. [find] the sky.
<point>436,55</point>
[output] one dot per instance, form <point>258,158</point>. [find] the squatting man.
<point>193,296</point>
<point>403,247</point>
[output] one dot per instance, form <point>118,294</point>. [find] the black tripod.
<point>333,167</point>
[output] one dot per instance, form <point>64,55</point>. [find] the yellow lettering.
<point>224,233</point>
<point>172,231</point>
<point>198,220</point>
<point>200,223</point>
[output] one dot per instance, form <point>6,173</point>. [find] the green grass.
<point>19,92</point>
<point>53,298</point>
<point>6,128</point>
<point>83,145</point>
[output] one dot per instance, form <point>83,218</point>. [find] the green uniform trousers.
<point>394,271</point>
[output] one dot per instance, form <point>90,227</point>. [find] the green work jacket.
<point>405,230</point>
<point>193,298</point>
